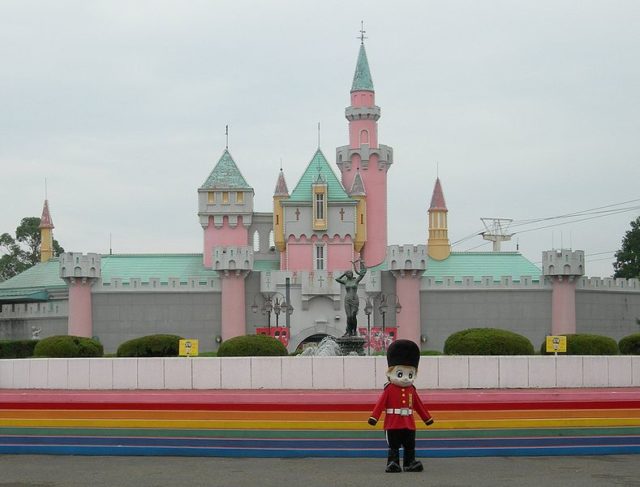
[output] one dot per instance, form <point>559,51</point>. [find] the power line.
<point>596,212</point>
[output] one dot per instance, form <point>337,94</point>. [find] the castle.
<point>274,272</point>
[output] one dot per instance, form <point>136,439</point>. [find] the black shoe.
<point>415,466</point>
<point>393,467</point>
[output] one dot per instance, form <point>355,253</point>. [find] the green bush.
<point>430,352</point>
<point>17,348</point>
<point>68,346</point>
<point>585,344</point>
<point>252,346</point>
<point>487,341</point>
<point>630,345</point>
<point>151,346</point>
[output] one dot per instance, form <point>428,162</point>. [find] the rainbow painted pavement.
<point>268,423</point>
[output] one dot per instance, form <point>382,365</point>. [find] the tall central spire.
<point>362,77</point>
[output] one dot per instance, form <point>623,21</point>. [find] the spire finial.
<point>281,164</point>
<point>362,33</point>
<point>318,135</point>
<point>437,170</point>
<point>46,197</point>
<point>226,133</point>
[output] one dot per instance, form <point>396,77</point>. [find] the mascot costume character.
<point>398,401</point>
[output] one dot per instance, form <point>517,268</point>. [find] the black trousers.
<point>405,438</point>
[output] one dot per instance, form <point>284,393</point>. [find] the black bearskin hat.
<point>403,352</point>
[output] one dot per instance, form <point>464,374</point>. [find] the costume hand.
<point>429,422</point>
<point>373,421</point>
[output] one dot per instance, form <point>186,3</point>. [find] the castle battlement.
<point>406,257</point>
<point>563,262</point>
<point>485,283</point>
<point>345,154</point>
<point>155,284</point>
<point>233,258</point>
<point>51,309</point>
<point>79,265</point>
<point>608,284</point>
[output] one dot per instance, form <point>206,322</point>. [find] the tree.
<point>23,251</point>
<point>627,262</point>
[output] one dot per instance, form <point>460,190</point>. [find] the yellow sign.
<point>188,348</point>
<point>557,344</point>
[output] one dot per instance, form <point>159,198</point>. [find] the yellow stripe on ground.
<point>314,425</point>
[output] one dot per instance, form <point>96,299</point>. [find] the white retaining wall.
<point>445,372</point>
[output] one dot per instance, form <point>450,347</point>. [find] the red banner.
<point>278,332</point>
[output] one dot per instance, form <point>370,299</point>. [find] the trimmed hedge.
<point>64,346</point>
<point>630,345</point>
<point>17,348</point>
<point>487,341</point>
<point>586,344</point>
<point>151,346</point>
<point>252,346</point>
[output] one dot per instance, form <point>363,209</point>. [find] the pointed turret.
<point>438,246</point>
<point>281,193</point>
<point>362,80</point>
<point>46,234</point>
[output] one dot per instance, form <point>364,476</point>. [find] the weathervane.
<point>362,32</point>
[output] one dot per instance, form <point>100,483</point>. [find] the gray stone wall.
<point>21,328</point>
<point>609,313</point>
<point>527,312</point>
<point>118,317</point>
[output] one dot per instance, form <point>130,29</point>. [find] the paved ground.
<point>69,471</point>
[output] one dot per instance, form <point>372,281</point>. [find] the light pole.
<point>280,305</point>
<point>382,308</point>
<point>368,308</point>
<point>266,308</point>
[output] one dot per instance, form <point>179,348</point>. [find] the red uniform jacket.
<point>396,397</point>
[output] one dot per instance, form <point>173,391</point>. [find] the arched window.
<point>364,136</point>
<point>256,241</point>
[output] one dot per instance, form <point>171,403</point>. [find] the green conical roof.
<point>362,77</point>
<point>226,175</point>
<point>319,167</point>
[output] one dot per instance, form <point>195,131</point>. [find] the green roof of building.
<point>32,283</point>
<point>362,77</point>
<point>266,265</point>
<point>42,275</point>
<point>226,175</point>
<point>318,166</point>
<point>160,266</point>
<point>480,264</point>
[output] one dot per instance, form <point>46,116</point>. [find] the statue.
<point>351,300</point>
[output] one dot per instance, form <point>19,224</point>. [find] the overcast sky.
<point>531,109</point>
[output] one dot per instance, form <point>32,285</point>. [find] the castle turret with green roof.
<point>225,207</point>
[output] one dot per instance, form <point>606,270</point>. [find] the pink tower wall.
<point>375,181</point>
<point>80,318</point>
<point>233,306</point>
<point>563,307</point>
<point>224,235</point>
<point>300,254</point>
<point>408,320</point>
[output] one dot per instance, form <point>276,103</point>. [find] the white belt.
<point>401,412</point>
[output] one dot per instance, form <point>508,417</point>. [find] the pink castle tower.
<point>225,208</point>
<point>366,156</point>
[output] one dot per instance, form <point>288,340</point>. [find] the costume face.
<point>402,375</point>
